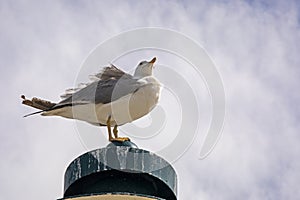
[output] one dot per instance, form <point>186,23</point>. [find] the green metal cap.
<point>120,169</point>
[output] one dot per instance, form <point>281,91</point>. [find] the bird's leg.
<point>115,131</point>
<point>110,138</point>
<point>117,138</point>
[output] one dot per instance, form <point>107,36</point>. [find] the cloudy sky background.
<point>254,44</point>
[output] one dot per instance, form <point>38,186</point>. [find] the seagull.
<point>112,99</point>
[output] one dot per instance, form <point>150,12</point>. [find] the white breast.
<point>133,106</point>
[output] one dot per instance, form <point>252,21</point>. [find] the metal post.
<point>120,171</point>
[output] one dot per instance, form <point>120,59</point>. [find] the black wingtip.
<point>33,113</point>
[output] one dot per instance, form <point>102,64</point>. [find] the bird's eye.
<point>141,63</point>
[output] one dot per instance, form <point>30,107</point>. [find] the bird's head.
<point>144,68</point>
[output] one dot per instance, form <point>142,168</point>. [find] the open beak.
<point>153,60</point>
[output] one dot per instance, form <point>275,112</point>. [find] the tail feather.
<point>40,104</point>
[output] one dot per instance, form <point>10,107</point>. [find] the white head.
<point>144,68</point>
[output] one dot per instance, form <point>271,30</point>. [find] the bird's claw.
<point>120,139</point>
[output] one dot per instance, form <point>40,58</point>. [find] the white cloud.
<point>254,45</point>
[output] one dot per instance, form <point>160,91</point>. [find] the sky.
<point>253,44</point>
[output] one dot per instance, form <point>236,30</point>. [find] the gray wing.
<point>110,72</point>
<point>103,91</point>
